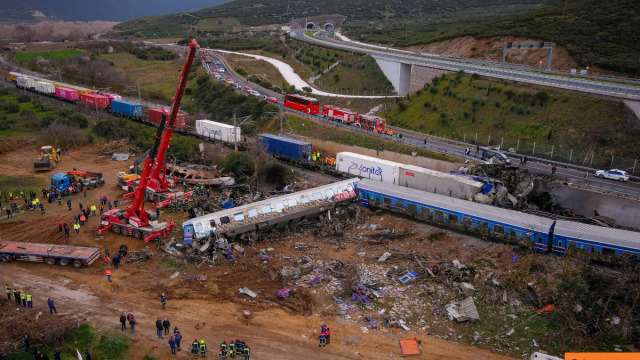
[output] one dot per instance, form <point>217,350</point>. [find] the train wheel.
<point>4,258</point>
<point>144,235</point>
<point>77,264</point>
<point>90,186</point>
<point>50,261</point>
<point>116,229</point>
<point>136,234</point>
<point>64,262</point>
<point>123,250</point>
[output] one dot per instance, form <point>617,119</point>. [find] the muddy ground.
<point>209,309</point>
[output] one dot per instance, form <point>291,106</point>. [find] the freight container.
<point>287,148</point>
<point>25,82</point>
<point>336,114</point>
<point>155,115</point>
<point>217,131</point>
<point>81,90</point>
<point>368,167</point>
<point>67,94</point>
<point>110,97</point>
<point>45,87</point>
<point>13,76</point>
<point>126,108</point>
<point>436,182</point>
<point>94,101</point>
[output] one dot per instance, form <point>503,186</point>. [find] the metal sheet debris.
<point>120,156</point>
<point>246,291</point>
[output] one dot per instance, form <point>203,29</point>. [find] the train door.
<point>188,234</point>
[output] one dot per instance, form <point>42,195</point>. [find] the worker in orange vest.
<point>109,274</point>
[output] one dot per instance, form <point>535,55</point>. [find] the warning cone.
<point>138,338</point>
<point>156,345</point>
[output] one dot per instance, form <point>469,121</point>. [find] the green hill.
<point>261,12</point>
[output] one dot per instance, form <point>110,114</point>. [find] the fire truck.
<point>344,116</point>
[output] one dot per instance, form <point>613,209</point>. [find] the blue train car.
<point>126,108</point>
<point>284,147</point>
<point>508,225</point>
<point>591,239</point>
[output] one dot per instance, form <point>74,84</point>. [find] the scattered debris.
<point>142,255</point>
<point>405,278</point>
<point>410,347</point>
<point>384,257</point>
<point>246,291</point>
<point>464,310</point>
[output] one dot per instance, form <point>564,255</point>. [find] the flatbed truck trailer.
<point>78,256</point>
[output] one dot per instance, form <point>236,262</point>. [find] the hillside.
<point>82,10</point>
<point>254,13</point>
<point>595,32</point>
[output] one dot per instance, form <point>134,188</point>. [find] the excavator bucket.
<point>44,163</point>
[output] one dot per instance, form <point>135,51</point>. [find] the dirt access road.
<point>210,310</point>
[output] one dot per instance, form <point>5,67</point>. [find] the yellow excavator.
<point>47,160</point>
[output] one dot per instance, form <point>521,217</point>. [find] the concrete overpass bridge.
<point>398,66</point>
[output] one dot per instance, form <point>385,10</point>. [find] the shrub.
<point>240,165</point>
<point>307,89</point>
<point>10,107</point>
<point>278,175</point>
<point>23,98</point>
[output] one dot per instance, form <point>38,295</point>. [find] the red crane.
<point>134,220</point>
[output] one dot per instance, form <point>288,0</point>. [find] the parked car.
<point>272,99</point>
<point>247,89</point>
<point>488,154</point>
<point>221,69</point>
<point>613,174</point>
<point>218,62</point>
<point>255,93</point>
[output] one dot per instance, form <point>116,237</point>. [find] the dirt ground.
<point>208,309</point>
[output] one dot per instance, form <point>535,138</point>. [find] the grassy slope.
<point>259,68</point>
<point>24,124</point>
<point>575,122</point>
<point>25,57</point>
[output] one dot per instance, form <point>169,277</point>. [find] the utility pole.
<point>139,99</point>
<point>235,133</point>
<point>281,116</point>
<point>95,99</point>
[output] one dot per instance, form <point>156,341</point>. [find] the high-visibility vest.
<point>108,272</point>
<point>22,296</point>
<point>203,347</point>
<point>33,202</point>
<point>7,289</point>
<point>76,226</point>
<point>28,297</point>
<point>93,208</point>
<point>82,218</point>
<point>37,200</point>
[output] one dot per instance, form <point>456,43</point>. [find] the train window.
<point>199,227</point>
<point>413,208</point>
<point>467,221</point>
<point>560,243</point>
<point>305,200</point>
<point>292,202</point>
<point>349,188</point>
<point>238,217</point>
<point>387,201</point>
<point>439,215</point>
<point>529,236</point>
<point>265,209</point>
<point>539,241</point>
<point>498,228</point>
<point>212,223</point>
<point>329,194</point>
<point>608,252</point>
<point>279,207</point>
<point>453,218</point>
<point>317,196</point>
<point>252,213</point>
<point>513,233</point>
<point>400,204</point>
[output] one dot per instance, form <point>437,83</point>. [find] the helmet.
<point>237,339</point>
<point>224,341</point>
<point>201,341</point>
<point>196,339</point>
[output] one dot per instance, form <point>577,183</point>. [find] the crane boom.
<point>156,157</point>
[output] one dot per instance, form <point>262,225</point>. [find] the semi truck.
<point>212,130</point>
<point>126,109</point>
<point>78,179</point>
<point>49,254</point>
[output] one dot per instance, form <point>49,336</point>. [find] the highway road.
<point>538,166</point>
<point>619,88</point>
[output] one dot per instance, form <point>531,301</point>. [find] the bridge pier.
<point>399,74</point>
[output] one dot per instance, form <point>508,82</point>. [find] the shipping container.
<point>81,90</point>
<point>13,76</point>
<point>217,131</point>
<point>25,82</point>
<point>436,182</point>
<point>285,147</point>
<point>368,167</point>
<point>92,100</point>
<point>45,87</point>
<point>126,108</point>
<point>155,115</point>
<point>109,96</point>
<point>67,94</point>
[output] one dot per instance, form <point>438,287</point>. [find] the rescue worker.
<point>110,206</point>
<point>232,349</point>
<point>132,322</point>
<point>82,219</point>
<point>239,346</point>
<point>8,290</point>
<point>23,297</point>
<point>101,209</point>
<point>178,340</point>
<point>93,210</point>
<point>223,349</point>
<point>41,208</point>
<point>59,226</point>
<point>185,205</point>
<point>195,345</point>
<point>170,206</point>
<point>323,338</point>
<point>203,349</point>
<point>16,295</point>
<point>159,328</point>
<point>56,354</point>
<point>30,300</point>
<point>172,345</point>
<point>123,322</point>
<point>163,300</point>
<point>328,336</point>
<point>109,274</point>
<point>76,227</point>
<point>69,204</point>
<point>246,350</point>
<point>84,190</point>
<point>66,229</point>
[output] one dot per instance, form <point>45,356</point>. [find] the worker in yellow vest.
<point>76,227</point>
<point>30,300</point>
<point>23,297</point>
<point>8,290</point>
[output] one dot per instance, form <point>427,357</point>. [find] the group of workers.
<point>316,157</point>
<point>324,336</point>
<point>26,299</point>
<point>227,350</point>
